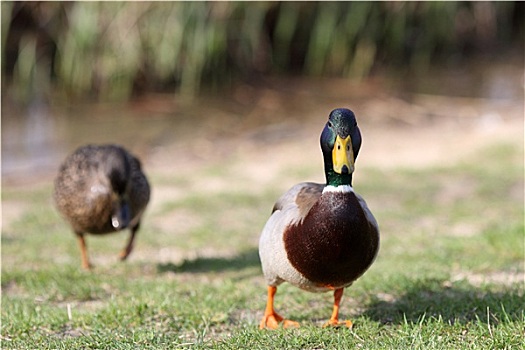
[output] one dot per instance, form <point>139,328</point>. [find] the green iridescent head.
<point>340,143</point>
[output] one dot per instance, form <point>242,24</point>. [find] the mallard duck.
<point>321,237</point>
<point>101,189</point>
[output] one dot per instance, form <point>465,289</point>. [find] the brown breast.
<point>335,243</point>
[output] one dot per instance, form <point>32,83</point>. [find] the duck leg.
<point>334,320</point>
<point>83,251</point>
<point>129,246</point>
<point>271,319</point>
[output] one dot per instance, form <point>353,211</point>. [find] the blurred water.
<point>35,140</point>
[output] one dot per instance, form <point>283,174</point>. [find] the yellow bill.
<point>343,154</point>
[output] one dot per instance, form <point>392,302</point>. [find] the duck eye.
<point>329,124</point>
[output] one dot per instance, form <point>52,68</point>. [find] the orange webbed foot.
<point>334,319</point>
<point>123,255</point>
<point>129,246</point>
<point>290,324</point>
<point>272,321</point>
<point>87,266</point>
<point>336,324</point>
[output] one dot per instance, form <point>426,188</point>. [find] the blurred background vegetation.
<point>114,51</point>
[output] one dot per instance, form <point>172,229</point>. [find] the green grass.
<point>449,274</point>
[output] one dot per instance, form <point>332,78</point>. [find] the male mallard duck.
<point>101,189</point>
<point>321,237</point>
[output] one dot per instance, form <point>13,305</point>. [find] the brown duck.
<point>101,189</point>
<point>321,237</point>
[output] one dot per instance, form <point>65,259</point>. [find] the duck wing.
<point>301,196</point>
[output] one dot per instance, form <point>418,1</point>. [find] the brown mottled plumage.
<point>321,237</point>
<point>99,190</point>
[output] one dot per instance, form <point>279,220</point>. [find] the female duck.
<point>101,189</point>
<point>321,237</point>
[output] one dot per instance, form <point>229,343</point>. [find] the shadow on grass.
<point>247,259</point>
<point>460,302</point>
